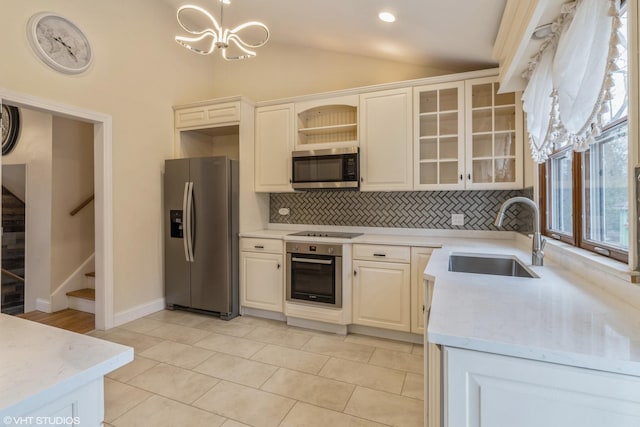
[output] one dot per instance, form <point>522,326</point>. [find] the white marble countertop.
<point>559,317</point>
<point>373,236</point>
<point>39,363</point>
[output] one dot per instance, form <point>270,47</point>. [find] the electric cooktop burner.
<point>336,234</point>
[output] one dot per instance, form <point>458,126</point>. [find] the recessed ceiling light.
<point>387,16</point>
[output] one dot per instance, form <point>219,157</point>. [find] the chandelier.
<point>220,37</point>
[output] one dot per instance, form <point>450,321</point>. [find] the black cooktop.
<point>336,234</point>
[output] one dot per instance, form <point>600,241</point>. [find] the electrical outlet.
<point>457,219</point>
<point>283,211</point>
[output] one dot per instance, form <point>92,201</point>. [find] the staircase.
<point>13,244</point>
<point>84,299</point>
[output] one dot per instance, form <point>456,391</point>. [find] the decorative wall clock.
<point>10,128</point>
<point>59,43</point>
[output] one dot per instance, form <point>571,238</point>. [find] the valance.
<point>570,77</point>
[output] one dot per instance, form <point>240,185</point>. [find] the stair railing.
<point>12,275</point>
<point>82,205</point>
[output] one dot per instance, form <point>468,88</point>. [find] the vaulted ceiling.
<point>438,33</point>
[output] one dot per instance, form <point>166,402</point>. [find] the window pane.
<point>606,204</point>
<point>560,190</point>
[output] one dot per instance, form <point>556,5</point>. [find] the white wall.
<point>72,237</point>
<point>138,73</point>
<point>34,150</point>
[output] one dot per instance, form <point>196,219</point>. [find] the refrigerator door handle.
<point>185,221</point>
<point>189,223</point>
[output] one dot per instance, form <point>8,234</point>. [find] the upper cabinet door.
<point>274,143</point>
<point>216,114</point>
<point>386,154</point>
<point>439,137</point>
<point>494,151</point>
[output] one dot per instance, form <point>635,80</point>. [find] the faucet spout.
<point>537,255</point>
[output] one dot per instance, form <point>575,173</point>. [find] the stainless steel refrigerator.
<point>201,235</point>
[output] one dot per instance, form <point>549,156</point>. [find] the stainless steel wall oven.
<point>314,273</point>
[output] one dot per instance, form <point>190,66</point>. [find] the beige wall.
<point>34,150</point>
<point>72,237</point>
<point>138,73</point>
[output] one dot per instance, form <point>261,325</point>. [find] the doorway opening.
<point>102,160</point>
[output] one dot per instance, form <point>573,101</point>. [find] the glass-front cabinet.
<point>439,137</point>
<point>493,137</point>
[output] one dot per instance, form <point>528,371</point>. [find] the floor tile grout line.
<point>281,346</point>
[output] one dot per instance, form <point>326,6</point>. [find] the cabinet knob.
<point>259,247</point>
<point>461,177</point>
<point>469,177</point>
<point>361,179</point>
<point>279,269</point>
<point>355,273</point>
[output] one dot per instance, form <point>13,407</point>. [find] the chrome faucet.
<point>537,256</point>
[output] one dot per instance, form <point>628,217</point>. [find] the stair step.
<point>92,274</point>
<point>88,294</point>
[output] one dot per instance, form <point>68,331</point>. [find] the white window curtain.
<point>538,104</point>
<point>570,77</point>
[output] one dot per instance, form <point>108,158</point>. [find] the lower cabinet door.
<point>382,295</point>
<point>262,281</point>
<point>488,390</point>
<point>419,260</point>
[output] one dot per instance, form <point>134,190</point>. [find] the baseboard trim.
<point>43,305</point>
<point>126,316</point>
<point>265,314</point>
<point>317,325</point>
<point>386,334</point>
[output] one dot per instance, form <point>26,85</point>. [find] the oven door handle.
<point>312,261</point>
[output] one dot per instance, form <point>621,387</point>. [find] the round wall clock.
<point>59,43</point>
<point>10,128</point>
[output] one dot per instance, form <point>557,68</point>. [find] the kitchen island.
<point>50,376</point>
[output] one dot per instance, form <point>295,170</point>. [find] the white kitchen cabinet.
<point>382,290</point>
<point>484,389</point>
<point>386,152</point>
<point>327,123</point>
<point>206,115</point>
<point>274,143</point>
<point>262,274</point>
<point>439,136</point>
<point>494,148</point>
<point>432,366</point>
<point>467,136</point>
<point>419,259</point>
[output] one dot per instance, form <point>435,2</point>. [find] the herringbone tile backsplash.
<point>408,209</point>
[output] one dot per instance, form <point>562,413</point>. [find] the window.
<point>585,195</point>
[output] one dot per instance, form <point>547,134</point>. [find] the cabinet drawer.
<point>382,253</point>
<point>261,245</point>
<point>207,115</point>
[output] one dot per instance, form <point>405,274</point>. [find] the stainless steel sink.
<point>500,265</point>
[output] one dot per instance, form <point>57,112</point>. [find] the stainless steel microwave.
<point>337,168</point>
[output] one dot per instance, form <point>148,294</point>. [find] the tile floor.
<point>195,370</point>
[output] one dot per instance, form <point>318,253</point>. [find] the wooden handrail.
<point>12,194</point>
<point>82,205</point>
<point>12,275</point>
